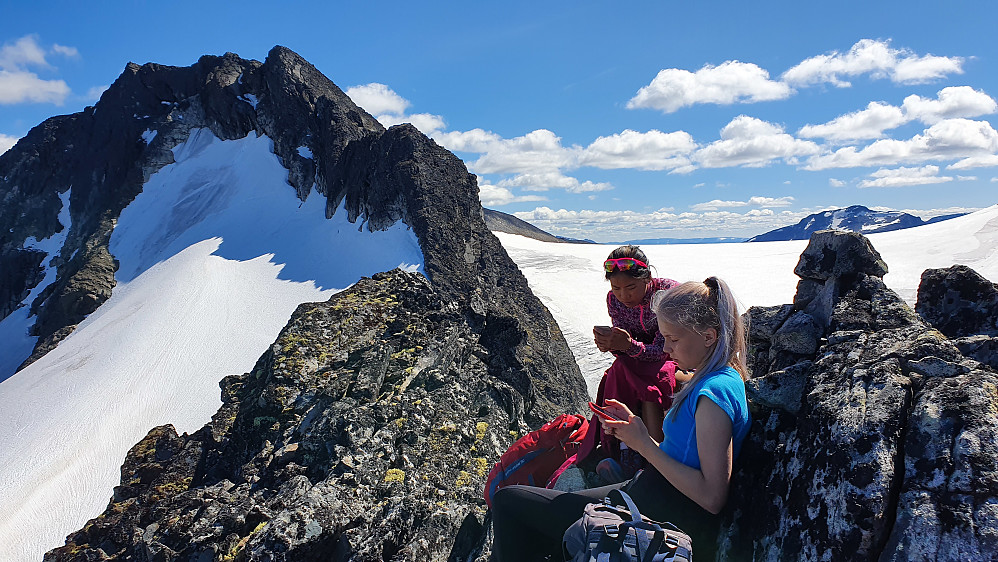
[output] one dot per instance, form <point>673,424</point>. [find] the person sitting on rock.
<point>641,376</point>
<point>691,467</point>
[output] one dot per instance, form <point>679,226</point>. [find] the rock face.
<point>379,176</point>
<point>962,304</point>
<point>881,443</point>
<point>390,414</point>
<point>364,433</point>
<point>327,143</point>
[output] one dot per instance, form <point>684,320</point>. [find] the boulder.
<point>880,445</point>
<point>958,302</point>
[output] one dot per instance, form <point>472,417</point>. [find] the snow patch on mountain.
<point>215,253</point>
<point>14,328</point>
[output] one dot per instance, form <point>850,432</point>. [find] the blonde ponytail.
<point>698,307</point>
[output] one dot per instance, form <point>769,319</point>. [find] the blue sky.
<point>596,119</point>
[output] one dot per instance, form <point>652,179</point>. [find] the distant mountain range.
<point>652,241</point>
<point>856,218</point>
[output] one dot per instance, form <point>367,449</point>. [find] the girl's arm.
<point>708,485</point>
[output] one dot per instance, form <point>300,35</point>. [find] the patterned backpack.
<point>611,533</point>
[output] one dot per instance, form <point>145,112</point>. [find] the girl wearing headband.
<point>641,376</point>
<point>691,467</point>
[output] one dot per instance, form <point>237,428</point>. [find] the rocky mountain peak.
<point>331,148</point>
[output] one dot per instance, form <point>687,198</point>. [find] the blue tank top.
<point>725,388</point>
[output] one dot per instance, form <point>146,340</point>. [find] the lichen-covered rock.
<point>979,348</point>
<point>834,253</point>
<point>882,445</point>
<point>958,302</point>
<point>364,433</point>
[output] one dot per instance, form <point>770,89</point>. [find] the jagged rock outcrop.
<point>962,304</point>
<point>364,433</point>
<point>881,444</point>
<point>327,143</point>
<point>495,355</point>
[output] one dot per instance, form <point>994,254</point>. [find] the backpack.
<point>539,456</point>
<point>611,533</point>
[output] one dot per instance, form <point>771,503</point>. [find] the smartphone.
<point>603,329</point>
<point>601,412</point>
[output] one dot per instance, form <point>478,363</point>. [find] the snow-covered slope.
<point>215,254</point>
<point>568,278</point>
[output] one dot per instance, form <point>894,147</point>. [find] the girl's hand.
<point>629,429</point>
<point>618,339</point>
<point>601,340</point>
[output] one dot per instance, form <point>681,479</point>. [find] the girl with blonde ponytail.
<point>691,468</point>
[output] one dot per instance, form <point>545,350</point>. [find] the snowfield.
<point>569,279</point>
<point>215,253</point>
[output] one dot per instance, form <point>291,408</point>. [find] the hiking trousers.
<point>529,522</point>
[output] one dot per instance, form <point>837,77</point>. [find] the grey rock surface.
<point>958,301</point>
<point>365,432</point>
<point>882,445</point>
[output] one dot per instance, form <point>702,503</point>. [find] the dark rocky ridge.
<point>379,176</point>
<point>364,433</point>
<point>873,436</point>
<point>498,221</point>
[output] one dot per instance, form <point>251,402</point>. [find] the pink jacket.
<point>640,322</point>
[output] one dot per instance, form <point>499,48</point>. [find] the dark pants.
<point>529,522</point>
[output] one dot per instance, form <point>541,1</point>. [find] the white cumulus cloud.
<point>832,182</point>
<point>949,139</point>
<point>18,84</point>
<point>953,102</point>
<point>747,141</point>
<point>653,150</point>
<point>94,93</point>
<point>727,83</point>
<point>475,140</point>
<point>876,59</point>
<point>495,196</point>
<point>983,161</point>
<point>662,223</point>
<point>68,52</point>
<point>538,151</point>
<point>6,142</point>
<point>901,177</point>
<point>378,98</point>
<point>553,180</point>
<point>389,108</point>
<point>425,122</point>
<point>756,201</point>
<point>869,123</point>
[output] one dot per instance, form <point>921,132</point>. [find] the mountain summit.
<point>159,241</point>
<point>856,218</point>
